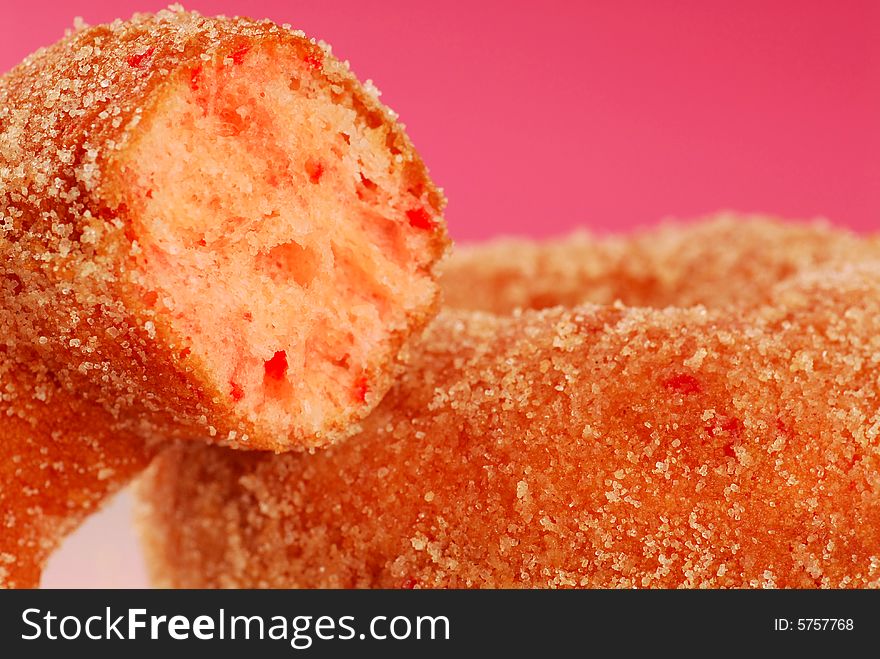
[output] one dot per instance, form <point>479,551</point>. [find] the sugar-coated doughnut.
<point>724,260</point>
<point>225,193</point>
<point>209,229</point>
<point>603,446</point>
<point>59,460</point>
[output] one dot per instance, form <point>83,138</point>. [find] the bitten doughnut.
<point>723,260</point>
<point>603,446</point>
<point>208,230</point>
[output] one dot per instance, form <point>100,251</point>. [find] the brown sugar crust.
<point>59,461</point>
<point>602,446</point>
<point>723,260</point>
<point>181,257</point>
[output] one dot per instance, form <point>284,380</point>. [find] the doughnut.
<point>599,446</point>
<point>60,459</point>
<point>723,260</point>
<point>209,230</point>
<point>226,196</point>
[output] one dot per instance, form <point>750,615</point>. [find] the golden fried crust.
<point>601,446</point>
<point>91,373</point>
<point>724,260</point>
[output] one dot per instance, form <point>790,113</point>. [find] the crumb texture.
<point>601,446</point>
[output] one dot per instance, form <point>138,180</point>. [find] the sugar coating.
<point>98,360</point>
<point>722,260</point>
<point>598,446</point>
<point>60,459</point>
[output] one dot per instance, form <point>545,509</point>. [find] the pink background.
<point>539,117</point>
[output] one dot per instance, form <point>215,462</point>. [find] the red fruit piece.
<point>733,426</point>
<point>419,218</point>
<point>237,391</point>
<point>136,61</point>
<point>361,388</point>
<point>238,55</point>
<point>314,60</point>
<point>683,383</point>
<point>276,368</point>
<point>730,425</point>
<point>315,170</point>
<point>194,78</point>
